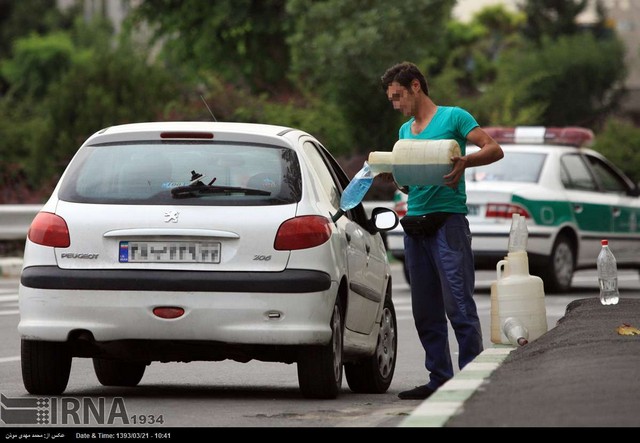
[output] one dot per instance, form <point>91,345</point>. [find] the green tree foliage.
<point>37,61</point>
<point>333,51</point>
<point>504,78</point>
<point>244,40</point>
<point>19,18</point>
<point>467,67</point>
<point>99,86</point>
<point>619,141</point>
<point>577,80</point>
<point>552,18</point>
<point>340,50</point>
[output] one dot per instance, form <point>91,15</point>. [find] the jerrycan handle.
<point>500,267</point>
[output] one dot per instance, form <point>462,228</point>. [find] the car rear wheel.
<point>373,375</point>
<point>558,273</point>
<point>45,366</point>
<point>320,367</point>
<point>118,372</point>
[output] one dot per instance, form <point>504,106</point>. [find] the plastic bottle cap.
<point>604,242</point>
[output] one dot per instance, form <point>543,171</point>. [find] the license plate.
<point>473,209</point>
<point>169,252</point>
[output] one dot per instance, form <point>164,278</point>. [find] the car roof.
<point>153,130</point>
<point>541,148</point>
<point>556,149</point>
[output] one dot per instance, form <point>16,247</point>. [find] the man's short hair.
<point>404,73</point>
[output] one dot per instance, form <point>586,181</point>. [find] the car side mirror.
<point>383,219</point>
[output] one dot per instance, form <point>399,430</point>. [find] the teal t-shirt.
<point>449,122</point>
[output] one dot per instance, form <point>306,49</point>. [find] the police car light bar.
<point>569,135</point>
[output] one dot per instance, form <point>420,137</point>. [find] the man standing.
<point>441,267</point>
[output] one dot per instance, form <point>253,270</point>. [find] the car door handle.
<point>616,212</point>
<point>577,209</point>
<point>348,236</point>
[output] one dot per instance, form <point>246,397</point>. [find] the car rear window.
<point>183,173</point>
<point>513,167</point>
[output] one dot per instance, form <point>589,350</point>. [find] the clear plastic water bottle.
<point>355,190</point>
<point>519,234</point>
<point>607,275</point>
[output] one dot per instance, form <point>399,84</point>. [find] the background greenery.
<point>312,64</point>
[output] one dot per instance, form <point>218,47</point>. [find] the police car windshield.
<point>514,167</point>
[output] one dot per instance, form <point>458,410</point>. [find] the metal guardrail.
<point>15,219</point>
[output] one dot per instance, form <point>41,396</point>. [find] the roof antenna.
<point>210,112</point>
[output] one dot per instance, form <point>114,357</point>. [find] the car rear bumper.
<point>227,311</point>
<point>289,280</point>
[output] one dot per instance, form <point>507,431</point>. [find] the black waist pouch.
<point>423,225</point>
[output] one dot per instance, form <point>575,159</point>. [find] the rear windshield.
<point>513,167</point>
<point>183,173</point>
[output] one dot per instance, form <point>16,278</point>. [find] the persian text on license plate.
<point>169,252</point>
<point>473,209</point>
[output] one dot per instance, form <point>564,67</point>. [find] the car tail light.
<point>185,134</point>
<point>302,233</point>
<point>48,229</point>
<point>505,210</point>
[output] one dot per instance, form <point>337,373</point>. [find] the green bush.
<point>619,142</point>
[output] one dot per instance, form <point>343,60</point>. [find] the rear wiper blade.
<point>200,190</point>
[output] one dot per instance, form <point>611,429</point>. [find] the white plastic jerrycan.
<point>416,162</point>
<point>520,296</point>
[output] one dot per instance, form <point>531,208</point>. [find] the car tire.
<point>46,366</point>
<point>320,368</point>
<point>118,372</point>
<point>558,273</point>
<point>373,374</point>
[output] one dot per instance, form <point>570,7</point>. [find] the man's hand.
<point>388,177</point>
<point>490,152</point>
<point>452,178</point>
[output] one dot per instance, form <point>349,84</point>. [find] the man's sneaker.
<point>418,393</point>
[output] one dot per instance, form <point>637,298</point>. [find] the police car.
<point>571,196</point>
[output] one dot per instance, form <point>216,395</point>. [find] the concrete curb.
<point>10,267</point>
<point>449,399</point>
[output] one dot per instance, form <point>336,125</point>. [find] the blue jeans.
<point>442,275</point>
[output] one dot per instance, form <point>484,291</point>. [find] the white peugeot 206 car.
<point>184,241</point>
<point>571,196</point>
